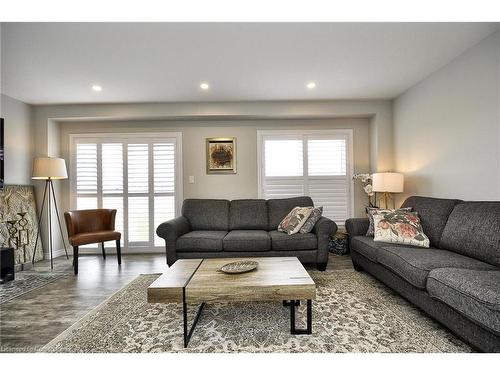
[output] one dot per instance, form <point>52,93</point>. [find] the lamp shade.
<point>49,168</point>
<point>388,182</point>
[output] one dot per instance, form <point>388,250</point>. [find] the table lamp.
<point>388,183</point>
<point>49,169</point>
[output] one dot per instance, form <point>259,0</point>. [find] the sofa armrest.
<point>170,231</point>
<point>357,226</point>
<point>324,228</point>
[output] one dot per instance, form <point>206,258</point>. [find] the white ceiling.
<point>46,63</point>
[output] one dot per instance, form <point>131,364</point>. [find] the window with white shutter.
<point>316,163</point>
<point>139,175</point>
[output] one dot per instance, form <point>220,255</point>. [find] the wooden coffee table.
<point>199,281</point>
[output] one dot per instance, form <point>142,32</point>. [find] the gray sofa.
<point>210,228</point>
<point>457,280</point>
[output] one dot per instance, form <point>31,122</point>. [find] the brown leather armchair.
<point>91,226</point>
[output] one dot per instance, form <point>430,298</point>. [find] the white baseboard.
<point>56,253</point>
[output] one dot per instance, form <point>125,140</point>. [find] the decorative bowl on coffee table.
<point>239,267</point>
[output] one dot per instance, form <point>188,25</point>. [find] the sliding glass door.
<point>138,175</point>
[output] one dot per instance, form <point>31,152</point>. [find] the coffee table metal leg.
<point>293,329</point>
<point>189,333</point>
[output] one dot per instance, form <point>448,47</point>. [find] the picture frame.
<point>221,155</point>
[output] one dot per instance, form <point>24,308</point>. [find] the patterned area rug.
<point>25,282</point>
<point>353,313</point>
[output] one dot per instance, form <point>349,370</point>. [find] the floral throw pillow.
<point>292,222</point>
<point>400,227</point>
<point>370,211</point>
<point>312,220</point>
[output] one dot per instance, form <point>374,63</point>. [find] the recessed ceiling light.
<point>204,86</point>
<point>96,88</point>
<point>311,85</point>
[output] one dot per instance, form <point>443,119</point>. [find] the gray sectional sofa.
<point>457,280</point>
<point>210,228</point>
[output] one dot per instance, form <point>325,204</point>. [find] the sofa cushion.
<point>247,240</point>
<point>206,214</point>
<point>201,240</point>
<point>475,294</point>
<point>297,241</point>
<point>366,246</point>
<point>279,208</point>
<point>433,214</point>
<point>473,229</point>
<point>248,214</point>
<point>414,263</point>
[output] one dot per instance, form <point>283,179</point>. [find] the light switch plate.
<point>191,179</point>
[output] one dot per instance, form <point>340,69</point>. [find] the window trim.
<point>112,137</point>
<point>283,133</point>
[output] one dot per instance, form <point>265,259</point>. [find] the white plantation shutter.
<point>139,176</point>
<point>112,168</point>
<point>86,154</point>
<point>112,181</point>
<point>164,184</point>
<point>164,167</point>
<point>326,157</point>
<point>138,220</point>
<point>138,197</point>
<point>138,168</point>
<point>283,168</point>
<point>164,210</point>
<point>113,202</point>
<point>284,157</point>
<point>328,181</point>
<point>308,163</point>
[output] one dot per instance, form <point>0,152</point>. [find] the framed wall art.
<point>221,155</point>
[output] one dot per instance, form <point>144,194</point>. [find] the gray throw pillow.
<point>370,211</point>
<point>312,220</point>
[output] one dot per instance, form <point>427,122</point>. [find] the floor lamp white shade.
<point>49,168</point>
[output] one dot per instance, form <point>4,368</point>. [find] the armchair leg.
<point>118,252</point>
<point>103,251</point>
<point>75,259</point>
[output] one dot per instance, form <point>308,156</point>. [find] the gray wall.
<point>447,128</point>
<point>18,141</point>
<point>240,185</point>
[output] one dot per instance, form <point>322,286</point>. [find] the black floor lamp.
<point>49,169</point>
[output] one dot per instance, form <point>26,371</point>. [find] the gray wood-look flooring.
<point>32,320</point>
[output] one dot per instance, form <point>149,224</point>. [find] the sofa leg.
<point>321,266</point>
<point>103,251</point>
<point>75,259</point>
<point>357,267</point>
